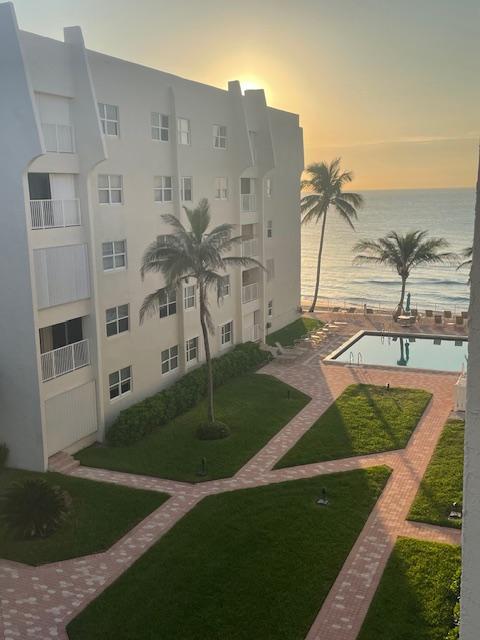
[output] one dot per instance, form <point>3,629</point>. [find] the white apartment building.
<point>93,151</point>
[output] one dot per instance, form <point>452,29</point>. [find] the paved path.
<point>39,602</point>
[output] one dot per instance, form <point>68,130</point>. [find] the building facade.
<point>94,151</point>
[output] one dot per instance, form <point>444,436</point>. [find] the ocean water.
<point>447,213</point>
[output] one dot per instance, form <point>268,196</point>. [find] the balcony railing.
<point>250,292</point>
<point>59,138</point>
<point>248,202</point>
<point>64,360</point>
<point>48,214</point>
<point>250,248</point>
<point>253,333</point>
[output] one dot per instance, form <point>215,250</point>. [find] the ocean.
<point>447,213</point>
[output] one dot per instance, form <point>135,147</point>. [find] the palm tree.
<point>466,253</point>
<point>196,253</point>
<point>324,186</point>
<point>402,254</point>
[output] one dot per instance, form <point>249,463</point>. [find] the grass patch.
<point>254,563</point>
<point>413,599</point>
<point>364,419</point>
<point>443,480</point>
<point>101,514</point>
<point>254,406</point>
<point>287,335</point>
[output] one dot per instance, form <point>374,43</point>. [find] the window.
<point>269,228</point>
<point>270,308</point>
<point>189,296</point>
<point>170,359</point>
<point>110,189</point>
<point>114,255</point>
<point>226,333</point>
<point>109,119</point>
<point>186,189</point>
<point>117,320</point>
<point>167,302</point>
<point>191,349</point>
<point>270,269</point>
<point>183,131</point>
<point>160,126</point>
<point>120,382</point>
<point>221,188</point>
<point>226,286</point>
<point>162,188</point>
<point>219,136</point>
<point>268,187</point>
<point>247,194</point>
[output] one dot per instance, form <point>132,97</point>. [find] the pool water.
<point>426,352</point>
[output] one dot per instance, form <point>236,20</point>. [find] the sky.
<point>390,86</point>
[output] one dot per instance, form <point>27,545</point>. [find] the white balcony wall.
<point>65,359</point>
<point>50,214</point>
<point>61,275</point>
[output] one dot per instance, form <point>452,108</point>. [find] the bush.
<point>3,455</point>
<point>34,508</point>
<point>454,595</point>
<point>213,431</point>
<point>140,419</point>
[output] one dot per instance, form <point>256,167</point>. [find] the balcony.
<point>50,214</point>
<point>64,360</point>
<point>250,248</point>
<point>250,292</point>
<point>248,203</point>
<point>58,138</point>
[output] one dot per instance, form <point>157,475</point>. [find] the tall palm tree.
<point>324,187</point>
<point>466,253</point>
<point>402,254</point>
<point>198,254</point>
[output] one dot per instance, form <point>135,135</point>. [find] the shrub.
<point>3,455</point>
<point>140,419</point>
<point>213,431</point>
<point>34,508</point>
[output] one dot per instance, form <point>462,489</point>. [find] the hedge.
<point>140,419</point>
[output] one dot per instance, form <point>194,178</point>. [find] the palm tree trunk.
<point>399,309</point>
<point>206,343</point>
<point>319,262</point>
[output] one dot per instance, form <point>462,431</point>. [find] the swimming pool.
<point>437,353</point>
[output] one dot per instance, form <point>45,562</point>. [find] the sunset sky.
<point>391,86</point>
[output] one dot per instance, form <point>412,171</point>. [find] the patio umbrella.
<point>407,305</point>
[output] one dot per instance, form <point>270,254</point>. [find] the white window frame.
<point>189,296</point>
<point>117,319</point>
<point>105,186</point>
<point>192,347</point>
<point>219,136</point>
<point>170,302</point>
<point>226,329</point>
<point>169,357</point>
<point>268,187</point>
<point>269,228</point>
<point>115,254</point>
<point>184,133</point>
<point>221,188</point>
<point>162,189</point>
<point>183,189</point>
<point>160,126</point>
<point>270,309</point>
<point>126,372</point>
<point>108,122</point>
<point>226,286</point>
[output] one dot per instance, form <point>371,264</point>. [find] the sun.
<point>250,83</point>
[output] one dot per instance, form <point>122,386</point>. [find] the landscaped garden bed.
<point>416,598</point>
<point>254,563</point>
<point>99,515</point>
<point>293,331</point>
<point>254,406</point>
<point>364,419</point>
<point>442,484</point>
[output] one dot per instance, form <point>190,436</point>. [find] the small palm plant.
<point>34,508</point>
<point>196,253</point>
<point>402,254</point>
<point>324,188</point>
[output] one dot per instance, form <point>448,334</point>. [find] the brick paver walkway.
<point>39,602</point>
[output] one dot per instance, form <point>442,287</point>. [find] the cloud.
<point>473,135</point>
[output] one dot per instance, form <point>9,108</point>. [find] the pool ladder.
<point>352,358</point>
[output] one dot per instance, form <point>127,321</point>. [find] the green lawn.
<point>443,480</point>
<point>287,335</point>
<point>364,419</point>
<point>254,563</point>
<point>413,600</point>
<point>101,514</point>
<point>254,406</point>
